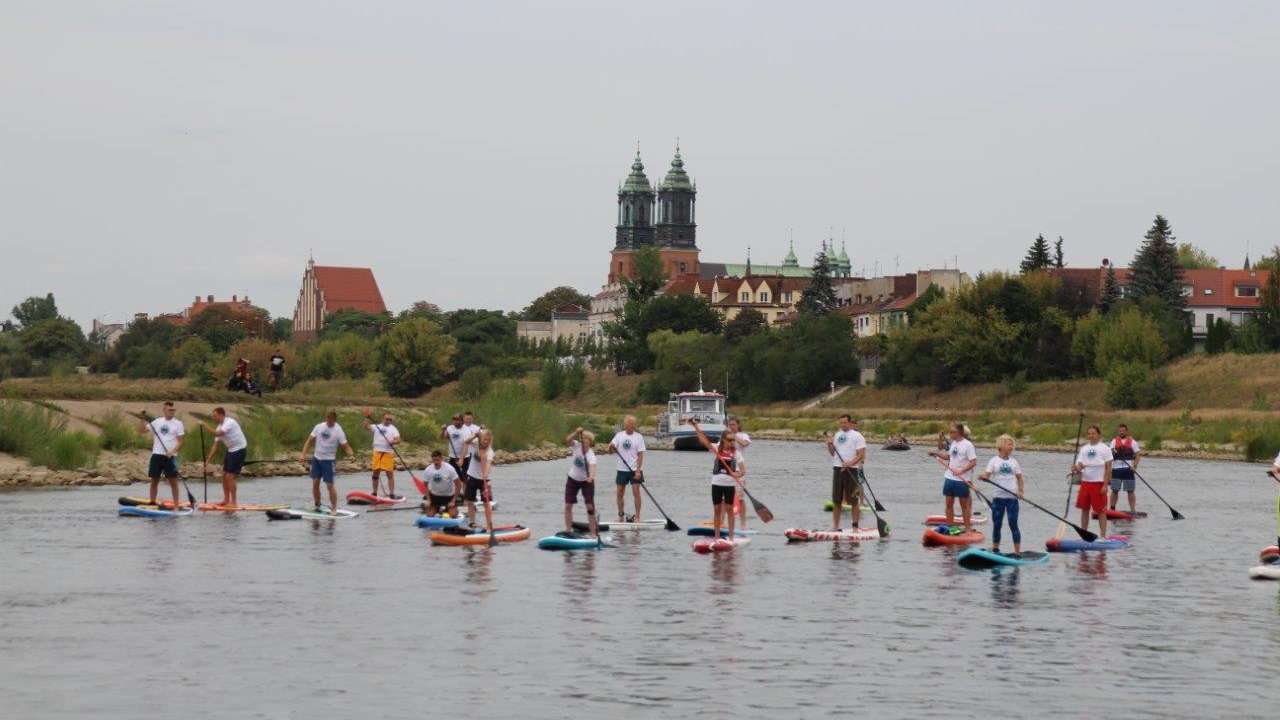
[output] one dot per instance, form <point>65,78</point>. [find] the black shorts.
<point>233,462</point>
<point>722,494</point>
<point>440,502</point>
<point>161,465</point>
<point>844,486</point>
<point>475,490</point>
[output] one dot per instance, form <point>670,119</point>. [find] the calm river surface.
<point>237,617</point>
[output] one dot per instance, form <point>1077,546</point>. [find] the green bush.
<point>1263,444</point>
<point>414,356</point>
<point>575,377</point>
<point>68,451</point>
<point>1133,385</point>
<point>1129,337</point>
<point>40,435</point>
<point>474,382</point>
<point>120,433</point>
<point>551,381</point>
<point>519,420</point>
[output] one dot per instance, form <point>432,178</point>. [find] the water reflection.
<point>1093,563</point>
<point>724,573</point>
<point>1004,587</point>
<point>579,570</point>
<point>477,563</point>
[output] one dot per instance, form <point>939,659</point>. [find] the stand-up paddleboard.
<point>1115,542</point>
<point>1122,515</point>
<point>701,531</point>
<point>480,536</point>
<point>146,502</point>
<point>979,559</point>
<point>850,535</point>
<point>309,514</point>
<point>572,541</point>
<point>151,512</point>
<point>615,526</point>
<point>360,497</point>
<point>718,545</point>
<point>974,519</point>
<point>828,505</point>
<point>210,507</point>
<point>1265,572</point>
<point>941,535</point>
<point>435,521</point>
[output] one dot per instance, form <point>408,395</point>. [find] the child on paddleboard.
<point>726,471</point>
<point>1006,474</point>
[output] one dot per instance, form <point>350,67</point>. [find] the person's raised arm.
<point>702,437</point>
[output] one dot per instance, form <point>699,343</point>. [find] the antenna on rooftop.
<point>895,264</point>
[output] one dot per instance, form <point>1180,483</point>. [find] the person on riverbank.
<point>385,439</point>
<point>1125,449</point>
<point>629,446</point>
<point>228,433</point>
<point>444,487</point>
<point>327,437</point>
<point>741,441</point>
<point>960,458</point>
<point>453,435</point>
<point>167,436</point>
<point>848,451</point>
<point>581,479</point>
<point>1006,473</point>
<point>1093,462</point>
<point>727,470</point>
<point>276,367</point>
<point>478,477</point>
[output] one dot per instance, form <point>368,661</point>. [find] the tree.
<point>414,356</point>
<point>282,329</point>
<point>1129,336</point>
<point>1270,262</point>
<point>1057,253</point>
<point>1110,290</point>
<point>1218,337</point>
<point>541,308</point>
<point>54,338</point>
<point>192,353</point>
<point>484,337</point>
<point>1154,271</point>
<point>359,322</point>
<point>648,275</point>
<point>679,313</point>
<point>819,297</point>
<point>1037,257</point>
<point>748,321</point>
<point>551,382</point>
<point>423,309</point>
<point>225,325</point>
<point>1265,325</point>
<point>35,309</point>
<point>931,294</point>
<point>1191,257</point>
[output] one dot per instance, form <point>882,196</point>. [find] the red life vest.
<point>724,461</point>
<point>1123,449</point>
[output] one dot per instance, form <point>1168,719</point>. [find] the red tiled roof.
<point>901,303</point>
<point>348,288</point>
<point>1221,286</point>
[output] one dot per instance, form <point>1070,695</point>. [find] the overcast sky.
<point>470,152</point>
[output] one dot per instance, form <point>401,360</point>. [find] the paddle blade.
<point>493,539</point>
<point>878,506</point>
<point>1085,535</point>
<point>422,487</point>
<point>762,512</point>
<point>882,527</point>
<point>672,526</point>
<point>1176,515</point>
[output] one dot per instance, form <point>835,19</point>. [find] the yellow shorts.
<point>384,461</point>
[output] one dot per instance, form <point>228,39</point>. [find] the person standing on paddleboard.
<point>1006,473</point>
<point>228,433</point>
<point>1124,448</point>
<point>848,450</point>
<point>741,441</point>
<point>961,459</point>
<point>167,435</point>
<point>442,487</point>
<point>581,479</point>
<point>629,445</point>
<point>727,467</point>
<point>478,489</point>
<point>328,436</point>
<point>454,434</point>
<point>1275,474</point>
<point>1093,462</point>
<point>385,438</point>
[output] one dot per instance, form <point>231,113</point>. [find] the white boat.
<point>707,407</point>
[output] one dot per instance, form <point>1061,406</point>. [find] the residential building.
<point>328,289</point>
<point>106,334</point>
<point>570,322</point>
<point>199,305</point>
<point>773,296</point>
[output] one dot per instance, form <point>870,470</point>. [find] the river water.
<point>233,616</point>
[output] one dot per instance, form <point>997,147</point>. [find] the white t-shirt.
<point>629,448</point>
<point>1005,474</point>
<point>454,435</point>
<point>720,477</point>
<point>468,431</point>
<point>440,479</point>
<point>233,436</point>
<point>475,470</point>
<point>167,430</point>
<point>961,452</point>
<point>847,444</point>
<point>1276,462</point>
<point>328,439</point>
<point>380,443</point>
<point>740,438</point>
<point>580,466</point>
<point>1094,457</point>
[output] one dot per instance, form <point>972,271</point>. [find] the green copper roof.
<point>790,260</point>
<point>677,178</point>
<point>636,182</point>
<point>843,259</point>
<point>740,270</point>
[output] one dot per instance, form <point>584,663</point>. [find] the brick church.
<point>664,218</point>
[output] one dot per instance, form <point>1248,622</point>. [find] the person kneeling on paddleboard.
<point>581,479</point>
<point>1006,473</point>
<point>442,487</point>
<point>328,436</point>
<point>961,459</point>
<point>1093,462</point>
<point>726,471</point>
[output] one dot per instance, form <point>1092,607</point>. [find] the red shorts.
<point>1092,496</point>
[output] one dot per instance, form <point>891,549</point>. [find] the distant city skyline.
<point>469,153</point>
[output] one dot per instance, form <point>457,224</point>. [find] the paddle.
<point>1176,515</point>
<point>190,497</point>
<point>671,526</point>
<point>1062,529</point>
<point>1085,535</point>
<point>876,506</point>
<point>488,501</point>
<point>204,469</point>
<point>422,487</point>
<point>947,465</point>
<point>762,512</point>
<point>882,527</point>
<point>268,460</point>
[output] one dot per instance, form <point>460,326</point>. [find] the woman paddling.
<point>728,467</point>
<point>478,477</point>
<point>960,459</point>
<point>1006,474</point>
<point>581,479</point>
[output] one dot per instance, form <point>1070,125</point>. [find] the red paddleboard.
<point>718,545</point>
<point>974,519</point>
<point>1122,515</point>
<point>1269,554</point>
<point>360,497</point>
<point>934,538</point>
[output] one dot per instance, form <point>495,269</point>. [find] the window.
<point>1237,319</point>
<point>764,297</point>
<point>1246,292</point>
<point>1208,291</point>
<point>1208,319</point>
<point>744,296</point>
<point>1187,291</point>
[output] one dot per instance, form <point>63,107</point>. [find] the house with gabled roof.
<point>327,289</point>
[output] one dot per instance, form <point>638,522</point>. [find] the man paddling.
<point>848,450</point>
<point>960,458</point>
<point>385,438</point>
<point>581,479</point>
<point>1093,462</point>
<point>629,445</point>
<point>443,487</point>
<point>327,436</point>
<point>454,434</point>
<point>741,441</point>
<point>1124,448</point>
<point>167,435</point>
<point>229,434</point>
